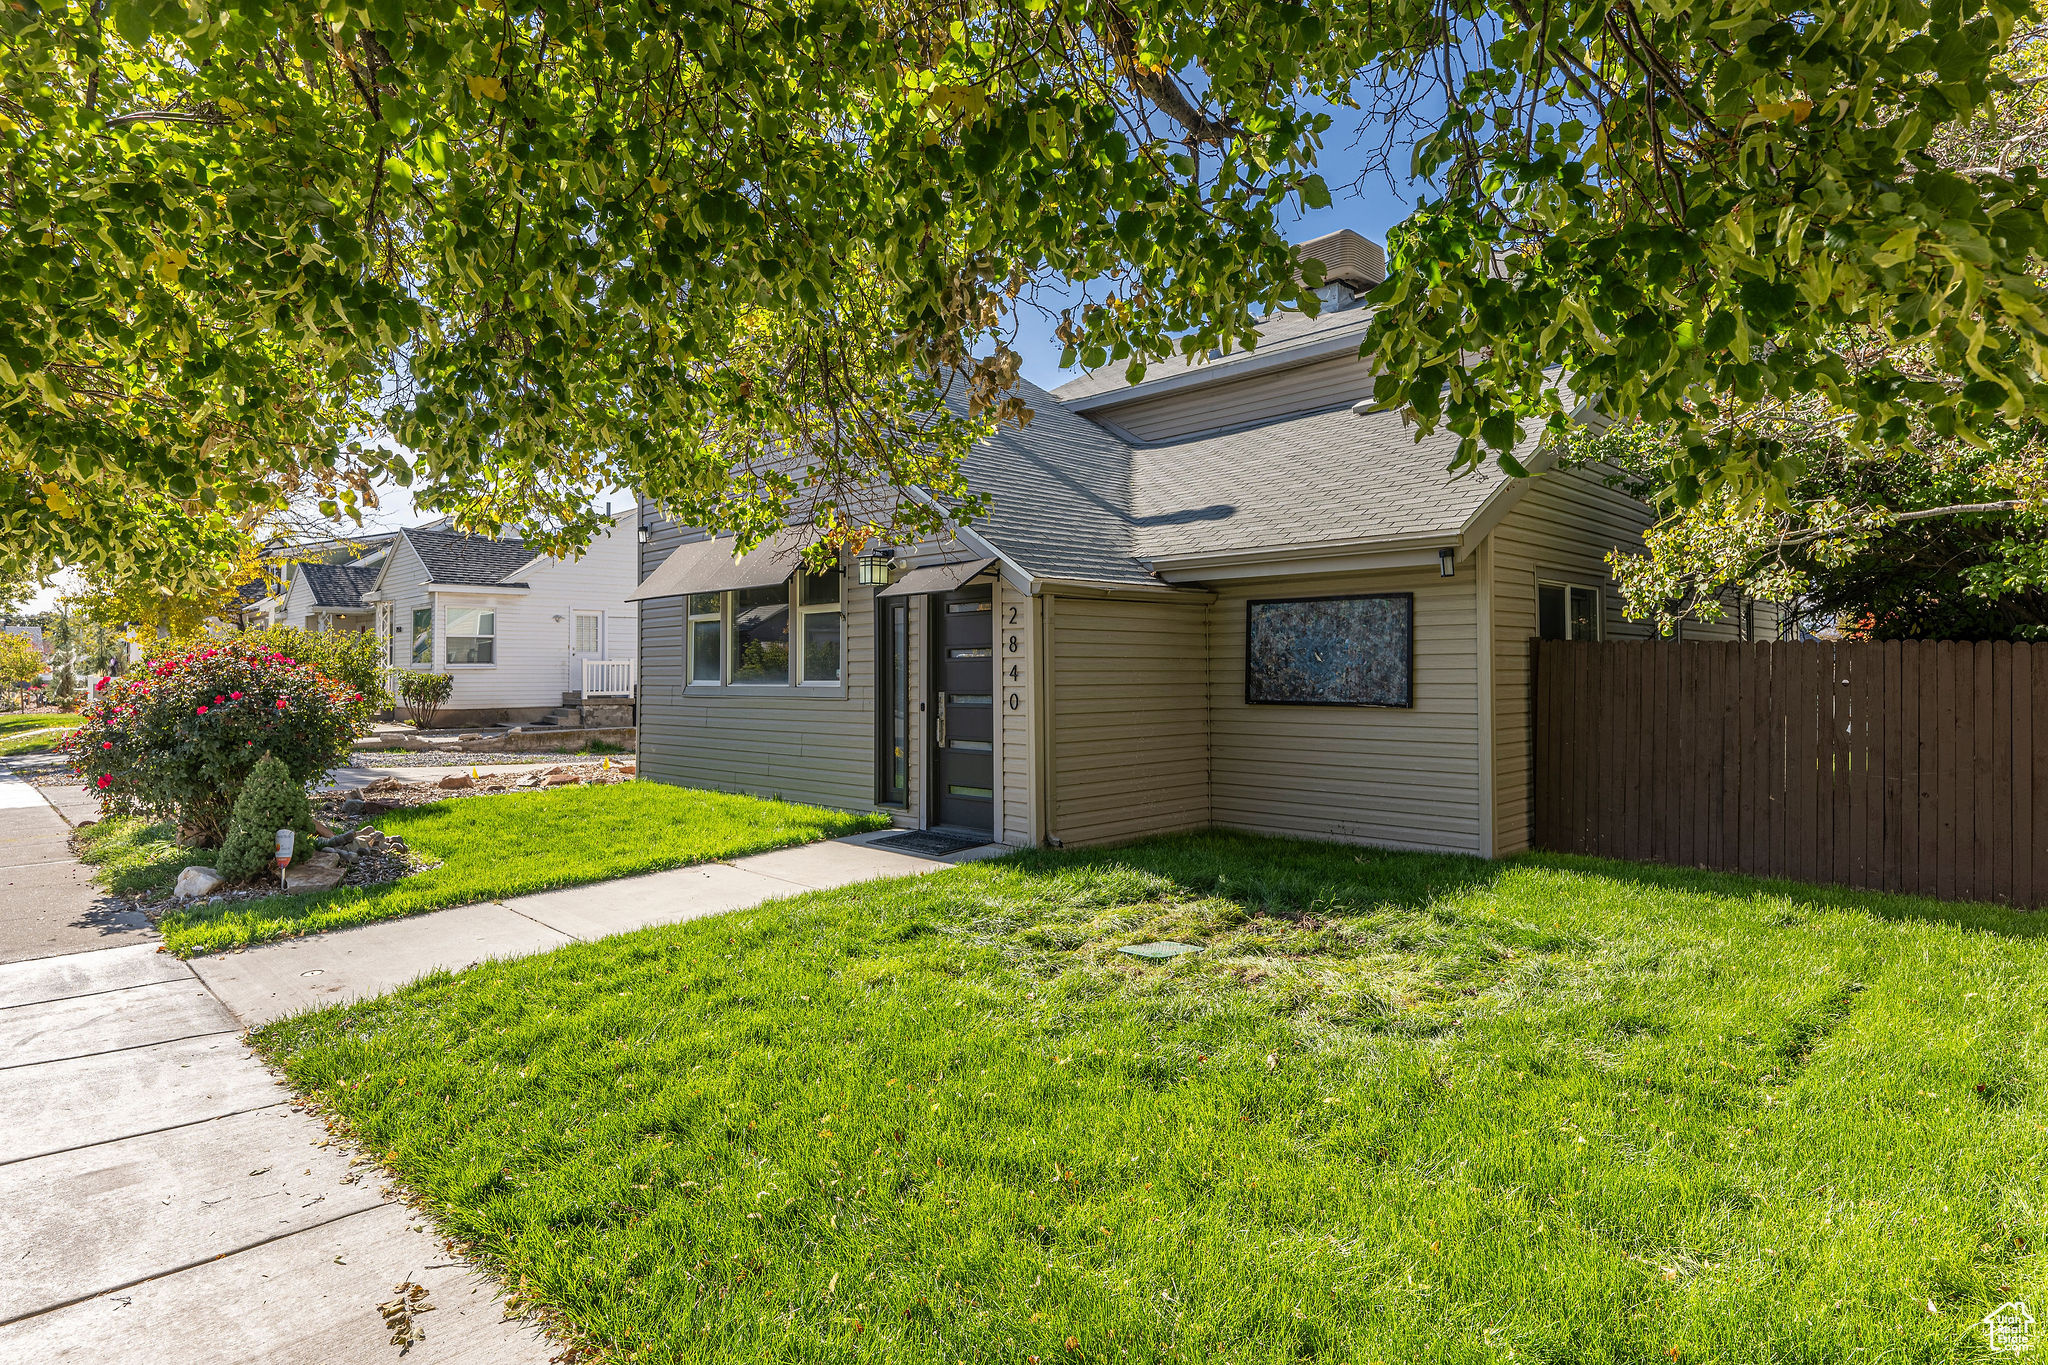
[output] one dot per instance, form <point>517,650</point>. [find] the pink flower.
<point>280,703</point>
<point>106,744</point>
<point>218,700</point>
<point>202,710</point>
<point>100,686</point>
<point>104,779</point>
<point>236,695</point>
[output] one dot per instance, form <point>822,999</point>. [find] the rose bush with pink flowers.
<point>180,735</point>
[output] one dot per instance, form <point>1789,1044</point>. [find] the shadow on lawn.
<point>1283,878</point>
<point>1294,877</point>
<point>1979,916</point>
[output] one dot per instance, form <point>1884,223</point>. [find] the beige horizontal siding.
<point>1129,717</point>
<point>1260,398</point>
<point>1403,777</point>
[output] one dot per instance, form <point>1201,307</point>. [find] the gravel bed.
<point>462,758</point>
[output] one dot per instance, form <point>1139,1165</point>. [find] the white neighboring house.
<point>519,631</point>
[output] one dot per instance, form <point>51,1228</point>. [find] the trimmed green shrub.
<point>424,694</point>
<point>270,801</point>
<point>179,736</point>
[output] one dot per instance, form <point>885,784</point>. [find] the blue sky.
<point>1371,212</point>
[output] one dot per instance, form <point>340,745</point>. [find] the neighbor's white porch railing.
<point>607,677</point>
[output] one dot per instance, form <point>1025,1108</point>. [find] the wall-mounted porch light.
<point>874,567</point>
<point>1446,562</point>
<point>645,532</point>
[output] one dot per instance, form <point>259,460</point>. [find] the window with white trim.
<point>820,625</point>
<point>1567,611</point>
<point>472,635</point>
<point>760,636</point>
<point>707,638</point>
<point>423,637</point>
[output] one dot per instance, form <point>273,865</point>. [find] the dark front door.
<point>964,729</point>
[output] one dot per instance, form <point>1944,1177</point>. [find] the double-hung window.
<point>819,625</point>
<point>472,636</point>
<point>1566,611</point>
<point>707,637</point>
<point>423,638</point>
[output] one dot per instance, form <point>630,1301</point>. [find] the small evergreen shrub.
<point>179,736</point>
<point>424,694</point>
<point>270,801</point>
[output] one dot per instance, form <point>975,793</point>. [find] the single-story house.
<point>520,631</point>
<point>1233,594</point>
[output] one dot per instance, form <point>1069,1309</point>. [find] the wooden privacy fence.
<point>1917,766</point>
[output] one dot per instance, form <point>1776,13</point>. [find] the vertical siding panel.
<point>1856,695</point>
<point>1735,791</point>
<point>1700,748</point>
<point>1994,817</point>
<point>1954,733</point>
<point>1759,794</point>
<point>1899,700</point>
<point>1631,756</point>
<point>2021,826</point>
<point>1936,721</point>
<point>2038,724</point>
<point>1973,704</point>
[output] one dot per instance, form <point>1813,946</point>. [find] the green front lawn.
<point>1403,1108</point>
<point>491,847</point>
<point>34,734</point>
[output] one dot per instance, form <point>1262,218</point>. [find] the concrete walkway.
<point>48,903</point>
<point>275,979</point>
<point>162,1202</point>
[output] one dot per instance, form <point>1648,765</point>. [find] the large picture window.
<point>760,636</point>
<point>472,636</point>
<point>423,638</point>
<point>1331,651</point>
<point>819,625</point>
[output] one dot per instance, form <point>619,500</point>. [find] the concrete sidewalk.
<point>275,979</point>
<point>166,1204</point>
<point>50,903</point>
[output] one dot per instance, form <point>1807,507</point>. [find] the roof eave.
<point>1417,550</point>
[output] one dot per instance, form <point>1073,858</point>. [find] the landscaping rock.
<point>321,872</point>
<point>561,777</point>
<point>195,882</point>
<point>322,828</point>
<point>352,806</point>
<point>456,781</point>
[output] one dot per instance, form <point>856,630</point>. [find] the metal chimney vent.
<point>1348,259</point>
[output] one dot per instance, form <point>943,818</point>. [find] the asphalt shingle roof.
<point>1329,476</point>
<point>456,557</point>
<point>338,585</point>
<point>1071,501</point>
